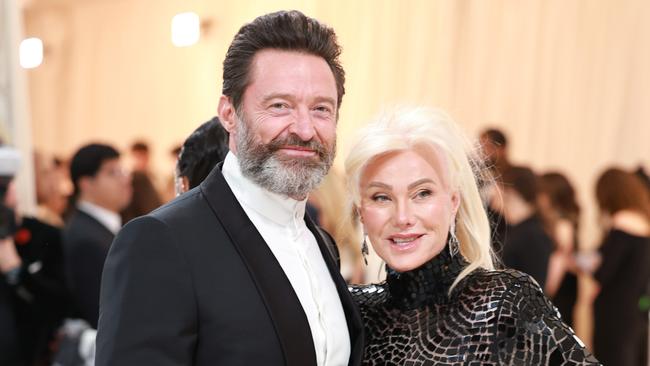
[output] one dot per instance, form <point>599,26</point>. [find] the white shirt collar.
<point>277,208</point>
<point>111,220</point>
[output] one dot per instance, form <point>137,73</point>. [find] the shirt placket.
<point>302,240</point>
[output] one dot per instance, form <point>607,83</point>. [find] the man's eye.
<point>323,109</point>
<point>279,106</point>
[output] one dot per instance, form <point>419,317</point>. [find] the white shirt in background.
<point>111,220</point>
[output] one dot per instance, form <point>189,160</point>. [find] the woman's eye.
<point>423,193</point>
<point>380,198</point>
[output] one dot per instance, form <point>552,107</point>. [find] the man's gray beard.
<point>292,177</point>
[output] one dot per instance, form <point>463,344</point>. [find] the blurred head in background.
<point>53,188</point>
<point>618,190</point>
<point>141,156</point>
<point>557,198</point>
<point>99,177</point>
<point>495,149</point>
<point>519,189</point>
<point>201,151</point>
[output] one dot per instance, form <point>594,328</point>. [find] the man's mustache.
<point>293,140</point>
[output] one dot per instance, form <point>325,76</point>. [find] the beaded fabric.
<point>490,318</point>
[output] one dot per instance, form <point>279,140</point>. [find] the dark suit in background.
<point>86,243</point>
<point>32,304</point>
<point>198,269</point>
<point>528,248</point>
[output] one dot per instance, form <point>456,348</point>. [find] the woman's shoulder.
<point>525,321</point>
<point>370,294</point>
<point>498,282</point>
<point>632,223</point>
<point>503,290</point>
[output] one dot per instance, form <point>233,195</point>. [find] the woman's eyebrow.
<point>421,181</point>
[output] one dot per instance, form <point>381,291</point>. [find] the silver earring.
<point>364,249</point>
<point>453,240</point>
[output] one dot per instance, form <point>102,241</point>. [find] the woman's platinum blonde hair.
<point>427,129</point>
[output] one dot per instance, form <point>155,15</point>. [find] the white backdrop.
<point>15,126</point>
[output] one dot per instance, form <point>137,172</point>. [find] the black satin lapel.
<point>352,315</point>
<point>284,308</point>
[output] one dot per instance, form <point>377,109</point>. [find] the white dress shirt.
<point>280,221</point>
<point>111,220</point>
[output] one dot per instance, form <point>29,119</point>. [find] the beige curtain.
<point>568,80</point>
<point>15,129</point>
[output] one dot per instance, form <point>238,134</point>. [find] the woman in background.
<point>443,303</point>
<point>527,246</point>
<point>329,200</point>
<point>560,213</point>
<point>620,327</point>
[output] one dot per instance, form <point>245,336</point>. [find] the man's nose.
<point>303,125</point>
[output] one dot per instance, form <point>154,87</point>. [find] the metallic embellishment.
<point>489,318</point>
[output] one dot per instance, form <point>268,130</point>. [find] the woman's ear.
<point>357,210</point>
<point>455,203</point>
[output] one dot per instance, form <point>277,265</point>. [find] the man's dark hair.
<point>87,161</point>
<point>202,150</point>
<point>496,137</point>
<point>523,181</point>
<point>283,30</point>
<point>140,146</point>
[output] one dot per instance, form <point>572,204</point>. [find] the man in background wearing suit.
<point>233,272</point>
<point>102,189</point>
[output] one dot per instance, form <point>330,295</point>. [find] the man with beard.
<point>233,272</point>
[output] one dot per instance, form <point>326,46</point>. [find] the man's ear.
<point>84,183</point>
<point>185,183</point>
<point>228,119</point>
<point>227,115</point>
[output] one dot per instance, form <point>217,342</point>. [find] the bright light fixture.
<point>31,53</point>
<point>186,29</point>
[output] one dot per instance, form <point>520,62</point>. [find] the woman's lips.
<point>404,242</point>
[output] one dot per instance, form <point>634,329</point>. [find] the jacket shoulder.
<point>498,281</point>
<point>528,329</point>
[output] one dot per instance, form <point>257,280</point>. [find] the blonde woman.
<point>443,302</point>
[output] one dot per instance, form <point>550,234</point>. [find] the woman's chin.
<point>405,264</point>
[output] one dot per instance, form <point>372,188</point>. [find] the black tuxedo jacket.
<point>85,246</point>
<point>194,283</point>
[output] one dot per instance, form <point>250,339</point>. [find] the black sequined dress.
<point>490,318</point>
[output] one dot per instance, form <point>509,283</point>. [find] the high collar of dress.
<point>277,208</point>
<point>426,285</point>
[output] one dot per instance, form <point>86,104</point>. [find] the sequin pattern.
<point>490,318</point>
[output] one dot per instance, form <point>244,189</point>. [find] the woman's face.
<point>406,207</point>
